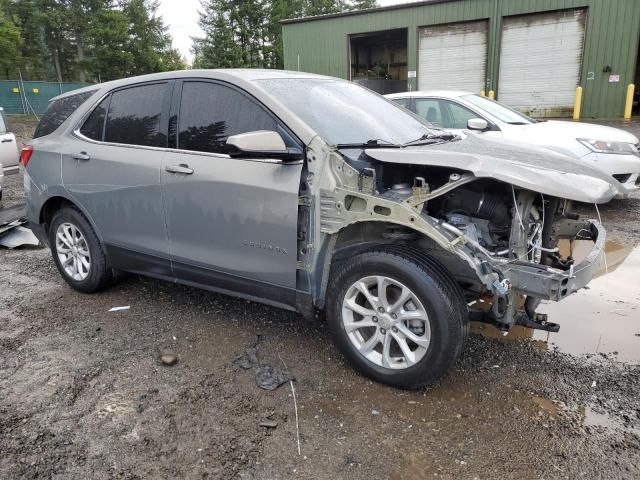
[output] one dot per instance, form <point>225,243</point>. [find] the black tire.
<point>100,274</point>
<point>440,295</point>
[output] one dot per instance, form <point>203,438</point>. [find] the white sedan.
<point>8,147</point>
<point>612,150</point>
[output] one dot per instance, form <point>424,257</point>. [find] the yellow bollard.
<point>492,94</point>
<point>483,93</point>
<point>628,104</point>
<point>577,104</point>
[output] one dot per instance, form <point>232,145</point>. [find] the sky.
<point>182,18</point>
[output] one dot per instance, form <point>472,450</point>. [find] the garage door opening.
<point>541,61</point>
<point>453,56</point>
<point>379,60</point>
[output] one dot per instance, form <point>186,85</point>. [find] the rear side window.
<point>58,111</point>
<point>134,116</point>
<point>93,127</point>
<point>210,113</point>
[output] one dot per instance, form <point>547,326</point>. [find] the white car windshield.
<point>499,111</point>
<point>345,113</point>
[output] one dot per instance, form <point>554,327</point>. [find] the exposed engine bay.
<point>498,240</point>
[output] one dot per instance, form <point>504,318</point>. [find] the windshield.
<point>345,113</point>
<point>499,111</point>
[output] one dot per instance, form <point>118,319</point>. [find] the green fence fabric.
<point>28,97</point>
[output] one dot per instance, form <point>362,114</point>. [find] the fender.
<point>61,193</point>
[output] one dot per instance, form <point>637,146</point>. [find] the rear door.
<point>111,166</point>
<point>232,222</point>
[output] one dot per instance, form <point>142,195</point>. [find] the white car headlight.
<point>602,146</point>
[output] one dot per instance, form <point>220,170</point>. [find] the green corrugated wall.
<point>612,38</point>
<point>28,97</point>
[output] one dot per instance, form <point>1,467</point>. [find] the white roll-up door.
<point>540,62</point>
<point>453,57</point>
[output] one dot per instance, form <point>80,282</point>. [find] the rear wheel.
<point>397,316</point>
<point>77,252</point>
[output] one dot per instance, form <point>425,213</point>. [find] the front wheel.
<point>397,316</point>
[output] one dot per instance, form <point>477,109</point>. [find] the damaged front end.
<point>494,234</point>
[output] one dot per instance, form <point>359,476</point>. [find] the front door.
<point>112,169</point>
<point>449,115</point>
<point>232,222</point>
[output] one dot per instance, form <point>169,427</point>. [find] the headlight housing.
<point>603,146</point>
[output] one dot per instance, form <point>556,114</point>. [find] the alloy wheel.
<point>73,251</point>
<point>386,322</point>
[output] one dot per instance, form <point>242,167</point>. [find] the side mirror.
<point>261,143</point>
<point>477,124</point>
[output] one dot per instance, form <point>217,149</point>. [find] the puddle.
<point>603,319</point>
<point>551,407</point>
<point>588,416</point>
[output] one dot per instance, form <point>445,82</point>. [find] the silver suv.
<point>311,194</point>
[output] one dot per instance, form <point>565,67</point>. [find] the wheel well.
<point>50,207</point>
<point>362,236</point>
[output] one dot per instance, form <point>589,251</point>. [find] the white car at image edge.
<point>612,150</point>
<point>9,155</point>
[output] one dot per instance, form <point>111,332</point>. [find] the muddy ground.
<point>83,394</point>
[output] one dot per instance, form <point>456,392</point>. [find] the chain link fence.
<point>18,97</point>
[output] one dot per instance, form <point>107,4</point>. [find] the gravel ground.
<point>83,393</point>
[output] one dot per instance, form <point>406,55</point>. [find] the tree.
<point>323,7</point>
<point>218,47</point>
<point>362,4</point>
<point>171,60</point>
<point>243,33</point>
<point>148,37</point>
<point>280,10</point>
<point>10,39</point>
<point>32,49</point>
<point>90,39</point>
<point>110,50</point>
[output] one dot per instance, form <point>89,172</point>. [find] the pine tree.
<point>248,33</point>
<point>90,39</point>
<point>362,4</point>
<point>148,37</point>
<point>10,39</point>
<point>280,10</point>
<point>218,48</point>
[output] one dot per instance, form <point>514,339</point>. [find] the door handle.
<point>81,156</point>
<point>183,168</point>
<point>7,140</point>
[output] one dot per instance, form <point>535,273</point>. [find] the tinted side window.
<point>210,113</point>
<point>134,116</point>
<point>58,112</point>
<point>94,125</point>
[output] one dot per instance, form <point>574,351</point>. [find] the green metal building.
<point>531,53</point>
